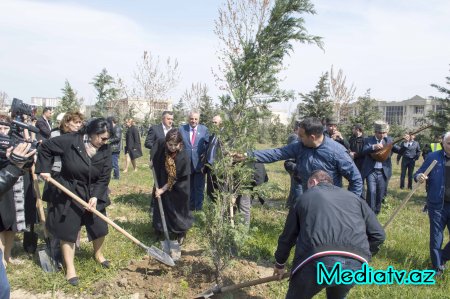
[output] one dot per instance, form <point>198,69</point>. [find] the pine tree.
<point>69,101</point>
<point>104,84</point>
<point>207,110</point>
<point>367,112</point>
<point>317,102</point>
<point>441,115</point>
<point>179,113</point>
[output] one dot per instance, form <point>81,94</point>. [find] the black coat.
<point>155,132</point>
<point>44,130</point>
<point>116,139</point>
<point>133,143</point>
<point>176,201</point>
<point>86,177</point>
<point>9,174</point>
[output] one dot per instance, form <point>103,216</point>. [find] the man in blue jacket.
<point>316,151</point>
<point>195,139</point>
<point>438,202</point>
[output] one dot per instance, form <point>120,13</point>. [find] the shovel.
<point>410,194</point>
<point>46,257</point>
<point>218,290</point>
<point>154,252</point>
<point>170,247</point>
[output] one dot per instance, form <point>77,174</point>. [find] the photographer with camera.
<point>11,162</point>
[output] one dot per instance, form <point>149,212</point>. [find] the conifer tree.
<point>317,102</point>
<point>441,114</point>
<point>69,101</point>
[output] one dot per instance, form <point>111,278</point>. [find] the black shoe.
<point>74,281</point>
<point>106,264</point>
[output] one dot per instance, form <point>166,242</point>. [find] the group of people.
<point>81,155</point>
<point>319,216</point>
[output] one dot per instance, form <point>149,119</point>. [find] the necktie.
<point>194,131</point>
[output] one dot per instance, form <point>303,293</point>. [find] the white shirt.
<point>378,165</point>
<point>165,129</point>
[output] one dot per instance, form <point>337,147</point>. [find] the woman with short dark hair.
<point>173,168</point>
<point>86,171</point>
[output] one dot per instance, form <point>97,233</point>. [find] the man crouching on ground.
<point>328,225</point>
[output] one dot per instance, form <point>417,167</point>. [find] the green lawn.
<point>406,246</point>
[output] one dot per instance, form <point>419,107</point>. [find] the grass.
<point>406,246</point>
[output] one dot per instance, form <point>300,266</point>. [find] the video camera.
<point>18,108</point>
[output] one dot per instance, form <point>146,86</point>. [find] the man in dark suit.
<point>158,131</point>
<point>195,139</point>
<point>409,153</point>
<point>44,124</point>
<point>377,174</point>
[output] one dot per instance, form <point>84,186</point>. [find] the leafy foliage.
<point>441,116</point>
<point>106,92</point>
<point>252,57</point>
<point>69,101</point>
<point>317,102</point>
<point>366,112</point>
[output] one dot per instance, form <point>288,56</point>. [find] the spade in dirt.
<point>154,252</point>
<point>170,247</point>
<point>46,254</point>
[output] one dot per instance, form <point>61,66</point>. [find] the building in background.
<point>140,108</point>
<point>44,102</point>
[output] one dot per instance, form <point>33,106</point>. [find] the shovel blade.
<point>46,262</point>
<point>172,248</point>
<point>160,256</point>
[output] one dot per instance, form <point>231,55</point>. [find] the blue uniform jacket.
<point>329,156</point>
<point>435,182</point>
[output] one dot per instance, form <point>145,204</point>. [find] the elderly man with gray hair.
<point>377,173</point>
<point>438,202</point>
<point>195,139</point>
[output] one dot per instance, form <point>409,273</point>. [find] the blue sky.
<point>396,48</point>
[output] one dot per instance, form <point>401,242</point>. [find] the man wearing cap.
<point>333,133</point>
<point>377,174</point>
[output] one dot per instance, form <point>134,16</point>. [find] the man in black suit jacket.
<point>158,131</point>
<point>409,153</point>
<point>44,124</point>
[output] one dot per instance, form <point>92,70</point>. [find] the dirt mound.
<point>191,275</point>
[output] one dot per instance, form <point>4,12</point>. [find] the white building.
<point>45,102</point>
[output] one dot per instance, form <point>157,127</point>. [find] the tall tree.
<point>255,36</point>
<point>341,95</point>
<point>441,113</point>
<point>366,112</point>
<point>69,100</point>
<point>104,84</point>
<point>155,80</point>
<point>179,113</point>
<point>317,102</point>
<point>207,110</point>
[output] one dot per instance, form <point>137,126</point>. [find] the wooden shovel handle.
<point>39,205</point>
<point>103,217</point>
<point>253,282</point>
<point>410,194</point>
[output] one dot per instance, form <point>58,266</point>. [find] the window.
<point>418,109</point>
<point>394,115</point>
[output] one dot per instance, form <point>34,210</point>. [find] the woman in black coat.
<point>133,148</point>
<point>86,171</point>
<point>173,168</point>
